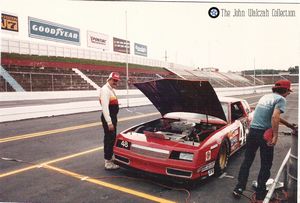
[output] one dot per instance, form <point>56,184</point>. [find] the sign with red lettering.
<point>97,40</point>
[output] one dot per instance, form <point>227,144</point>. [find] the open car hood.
<point>175,95</point>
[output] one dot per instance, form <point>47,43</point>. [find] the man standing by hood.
<point>110,108</point>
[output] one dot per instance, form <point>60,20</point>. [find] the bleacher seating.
<point>45,79</point>
<point>236,79</point>
<point>61,78</point>
<point>215,79</point>
<point>100,76</point>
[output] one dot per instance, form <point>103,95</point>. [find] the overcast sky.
<point>184,30</point>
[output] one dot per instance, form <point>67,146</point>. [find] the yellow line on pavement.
<point>60,130</point>
<point>48,132</point>
<point>17,171</point>
<point>81,177</point>
<point>50,162</point>
<point>109,185</point>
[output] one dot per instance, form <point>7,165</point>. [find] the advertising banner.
<point>120,45</point>
<point>140,49</point>
<point>9,22</point>
<point>52,31</point>
<point>97,40</point>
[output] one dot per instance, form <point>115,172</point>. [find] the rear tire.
<point>222,159</point>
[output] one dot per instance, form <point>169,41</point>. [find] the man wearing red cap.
<point>110,108</point>
<point>266,116</point>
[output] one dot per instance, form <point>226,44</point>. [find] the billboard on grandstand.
<point>120,45</point>
<point>140,49</point>
<point>42,29</point>
<point>97,40</point>
<point>9,22</point>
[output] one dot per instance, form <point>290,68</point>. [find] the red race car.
<point>195,135</point>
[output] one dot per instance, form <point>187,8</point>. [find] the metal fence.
<point>34,48</point>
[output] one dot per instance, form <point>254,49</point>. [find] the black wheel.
<point>222,159</point>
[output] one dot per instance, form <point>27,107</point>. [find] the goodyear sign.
<point>52,31</point>
<point>140,49</point>
<point>9,22</point>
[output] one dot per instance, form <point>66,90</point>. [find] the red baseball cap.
<point>283,84</point>
<point>114,76</point>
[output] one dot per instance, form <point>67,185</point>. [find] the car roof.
<point>229,99</point>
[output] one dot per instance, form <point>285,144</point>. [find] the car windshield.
<point>195,116</point>
<point>225,109</point>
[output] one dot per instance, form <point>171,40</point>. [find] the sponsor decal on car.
<point>207,167</point>
<point>211,172</point>
<point>234,143</point>
<point>208,155</point>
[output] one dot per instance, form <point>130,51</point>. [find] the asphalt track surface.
<point>60,159</point>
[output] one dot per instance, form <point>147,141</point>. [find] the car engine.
<point>176,130</point>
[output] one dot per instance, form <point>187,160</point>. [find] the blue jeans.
<point>254,141</point>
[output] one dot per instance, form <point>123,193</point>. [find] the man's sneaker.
<point>237,192</point>
<point>109,165</point>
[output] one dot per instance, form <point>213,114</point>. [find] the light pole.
<point>127,91</point>
<point>254,75</point>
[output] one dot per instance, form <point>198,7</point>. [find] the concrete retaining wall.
<point>36,111</point>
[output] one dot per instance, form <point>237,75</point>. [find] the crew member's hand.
<point>274,141</point>
<point>111,127</point>
<point>295,126</point>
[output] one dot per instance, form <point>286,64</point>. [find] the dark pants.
<point>109,137</point>
<point>254,141</point>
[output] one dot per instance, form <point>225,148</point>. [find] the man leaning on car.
<point>266,116</point>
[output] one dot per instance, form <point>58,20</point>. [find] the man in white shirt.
<point>110,108</point>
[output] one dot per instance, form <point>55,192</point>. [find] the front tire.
<point>222,159</point>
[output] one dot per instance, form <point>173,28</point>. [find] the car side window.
<point>236,111</point>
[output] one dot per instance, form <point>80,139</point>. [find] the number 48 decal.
<point>124,144</point>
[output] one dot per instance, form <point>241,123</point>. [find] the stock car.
<point>193,138</point>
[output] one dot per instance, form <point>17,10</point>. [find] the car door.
<point>239,117</point>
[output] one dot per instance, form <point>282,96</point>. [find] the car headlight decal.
<point>184,156</point>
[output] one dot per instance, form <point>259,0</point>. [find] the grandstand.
<point>44,79</point>
<point>65,69</point>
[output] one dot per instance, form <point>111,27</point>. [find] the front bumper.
<point>162,166</point>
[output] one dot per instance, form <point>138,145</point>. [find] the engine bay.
<point>176,130</point>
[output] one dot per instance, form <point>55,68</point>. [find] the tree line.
<point>291,70</point>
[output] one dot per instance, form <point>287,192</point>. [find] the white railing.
<point>271,190</point>
<point>33,48</point>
